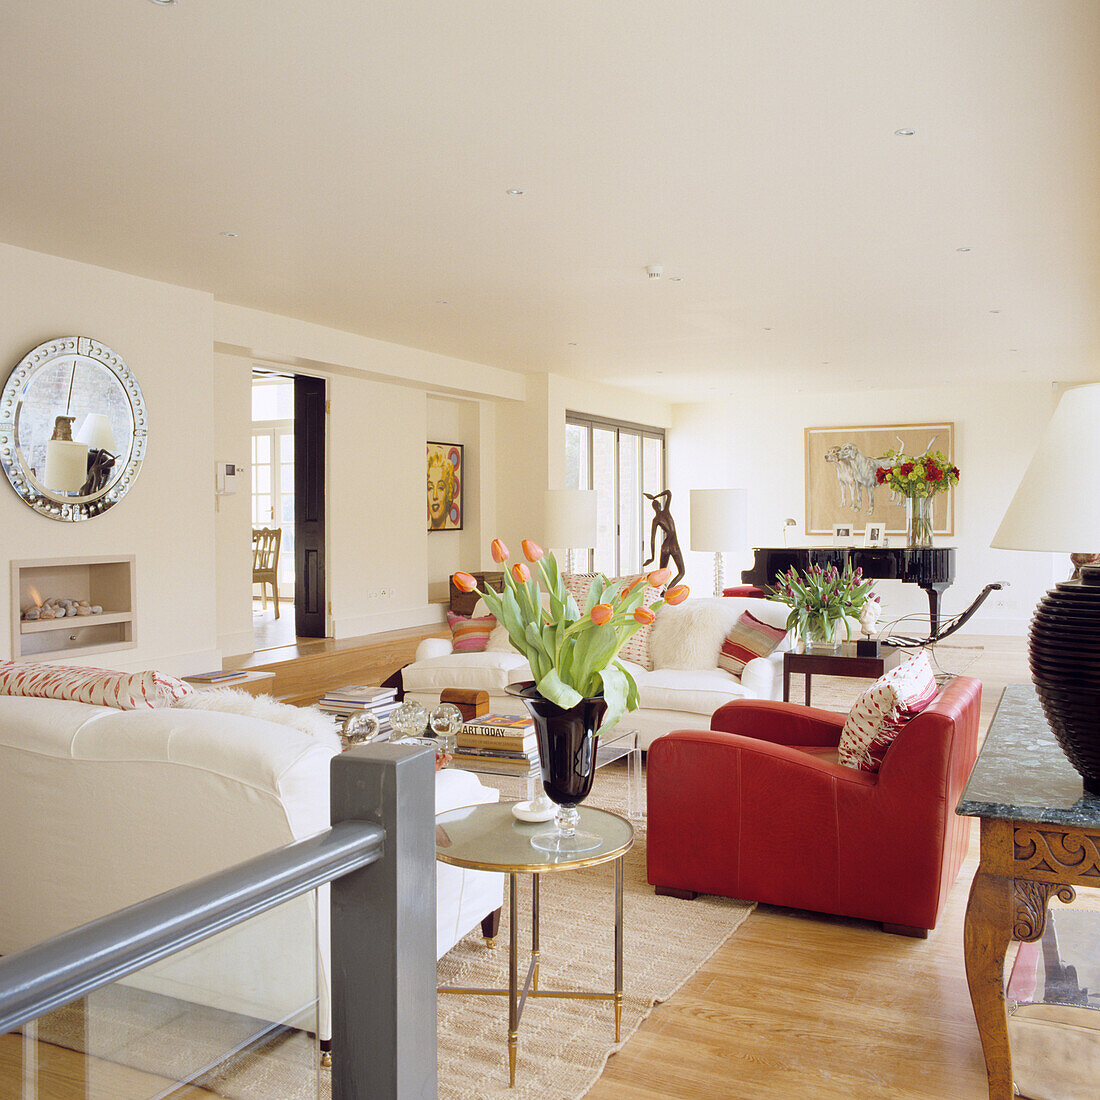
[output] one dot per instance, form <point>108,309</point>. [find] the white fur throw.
<point>308,720</point>
<point>691,634</point>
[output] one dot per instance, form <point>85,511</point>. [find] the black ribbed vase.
<point>567,740</point>
<point>1064,654</point>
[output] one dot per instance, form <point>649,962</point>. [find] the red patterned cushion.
<point>749,638</point>
<point>470,635</point>
<point>636,648</point>
<point>883,710</point>
<point>100,686</point>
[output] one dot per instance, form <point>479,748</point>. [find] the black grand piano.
<point>933,569</point>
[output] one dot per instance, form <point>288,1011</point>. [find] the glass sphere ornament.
<point>409,720</point>
<point>446,721</point>
<point>360,728</point>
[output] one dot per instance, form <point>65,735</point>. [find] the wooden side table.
<point>844,662</point>
<point>1040,837</point>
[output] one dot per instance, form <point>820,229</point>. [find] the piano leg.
<point>934,591</point>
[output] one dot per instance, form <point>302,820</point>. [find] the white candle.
<point>66,466</point>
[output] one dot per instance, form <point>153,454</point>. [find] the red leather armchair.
<point>753,808</point>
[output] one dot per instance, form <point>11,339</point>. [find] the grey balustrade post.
<point>383,929</point>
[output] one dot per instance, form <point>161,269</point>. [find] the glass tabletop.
<point>488,838</point>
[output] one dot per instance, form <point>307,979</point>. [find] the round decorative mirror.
<point>72,428</point>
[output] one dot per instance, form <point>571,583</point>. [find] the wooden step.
<point>304,672</point>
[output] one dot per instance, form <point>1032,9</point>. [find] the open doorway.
<point>273,532</point>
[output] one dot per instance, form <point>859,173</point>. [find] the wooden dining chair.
<point>265,562</point>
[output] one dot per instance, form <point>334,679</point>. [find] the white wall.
<point>758,444</point>
<point>164,333</point>
<point>233,514</point>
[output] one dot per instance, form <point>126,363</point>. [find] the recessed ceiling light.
<point>163,3</point>
<point>905,133</point>
<point>1013,349</point>
<point>441,301</point>
<point>676,278</point>
<point>225,232</point>
<point>994,311</point>
<point>515,191</point>
<point>572,343</point>
<point>962,249</point>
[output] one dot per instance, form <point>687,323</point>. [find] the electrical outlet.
<point>386,593</point>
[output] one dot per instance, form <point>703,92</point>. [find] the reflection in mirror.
<point>72,428</point>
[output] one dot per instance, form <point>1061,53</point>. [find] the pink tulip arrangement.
<point>572,651</point>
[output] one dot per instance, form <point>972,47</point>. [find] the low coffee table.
<point>616,745</point>
<point>488,838</point>
<point>844,662</point>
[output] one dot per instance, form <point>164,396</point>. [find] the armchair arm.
<point>763,676</point>
<point>779,723</point>
<point>433,647</point>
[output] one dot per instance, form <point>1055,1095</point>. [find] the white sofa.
<point>685,687</point>
<point>102,808</point>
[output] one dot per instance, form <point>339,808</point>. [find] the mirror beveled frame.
<point>69,506</point>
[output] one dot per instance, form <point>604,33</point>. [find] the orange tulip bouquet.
<point>572,652</point>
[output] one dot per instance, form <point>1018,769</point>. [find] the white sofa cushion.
<point>487,671</point>
<point>692,691</point>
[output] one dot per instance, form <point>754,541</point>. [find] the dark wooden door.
<point>309,506</point>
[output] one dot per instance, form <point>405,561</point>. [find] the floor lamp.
<point>719,522</point>
<point>570,521</point>
<point>1055,509</point>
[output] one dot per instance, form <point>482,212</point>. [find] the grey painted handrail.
<point>51,974</point>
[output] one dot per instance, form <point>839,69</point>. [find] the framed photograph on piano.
<point>841,482</point>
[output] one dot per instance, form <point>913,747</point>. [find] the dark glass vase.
<point>1064,655</point>
<point>567,740</point>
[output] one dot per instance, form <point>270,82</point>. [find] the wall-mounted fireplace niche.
<point>107,582</point>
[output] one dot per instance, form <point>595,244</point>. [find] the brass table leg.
<point>618,946</point>
<point>535,930</point>
<point>513,1000</point>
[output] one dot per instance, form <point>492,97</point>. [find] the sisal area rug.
<point>563,1044</point>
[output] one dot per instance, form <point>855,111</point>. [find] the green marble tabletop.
<point>1022,774</point>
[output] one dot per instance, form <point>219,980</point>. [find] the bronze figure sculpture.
<point>670,545</point>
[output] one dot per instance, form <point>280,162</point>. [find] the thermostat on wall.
<point>225,475</point>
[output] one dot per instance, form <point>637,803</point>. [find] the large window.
<point>622,462</point>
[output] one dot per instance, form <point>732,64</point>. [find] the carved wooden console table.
<point>1040,838</point>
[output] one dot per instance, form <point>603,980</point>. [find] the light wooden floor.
<point>797,1005</point>
<point>794,1005</point>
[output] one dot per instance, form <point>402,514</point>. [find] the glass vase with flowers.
<point>918,478</point>
<point>824,601</point>
<point>579,687</point>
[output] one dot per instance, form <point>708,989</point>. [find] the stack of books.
<point>357,698</point>
<point>505,740</point>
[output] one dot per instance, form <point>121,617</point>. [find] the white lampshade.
<point>719,519</point>
<point>570,519</point>
<point>1055,506</point>
<point>96,433</point>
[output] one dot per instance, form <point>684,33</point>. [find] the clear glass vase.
<point>918,522</point>
<point>821,635</point>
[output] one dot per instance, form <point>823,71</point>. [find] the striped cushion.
<point>882,711</point>
<point>749,639</point>
<point>470,635</point>
<point>99,686</point>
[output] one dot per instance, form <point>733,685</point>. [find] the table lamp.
<point>96,433</point>
<point>719,522</point>
<point>570,521</point>
<point>1055,509</point>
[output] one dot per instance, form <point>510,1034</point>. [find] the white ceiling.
<point>362,150</point>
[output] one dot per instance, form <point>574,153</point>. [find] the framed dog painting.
<point>841,483</point>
